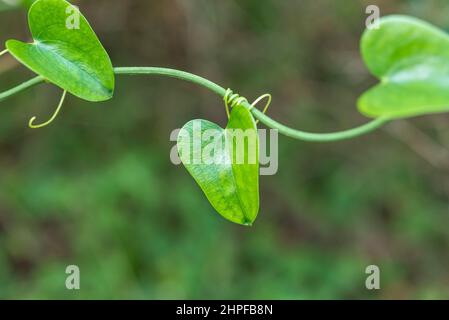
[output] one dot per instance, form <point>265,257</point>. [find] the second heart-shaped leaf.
<point>225,163</point>
<point>65,51</point>
<point>411,58</point>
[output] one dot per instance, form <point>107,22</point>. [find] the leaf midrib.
<point>41,46</point>
<point>236,191</point>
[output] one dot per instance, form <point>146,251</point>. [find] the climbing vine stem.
<point>28,84</point>
<point>222,92</point>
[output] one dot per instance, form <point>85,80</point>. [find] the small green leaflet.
<point>411,59</point>
<point>225,163</point>
<point>64,52</point>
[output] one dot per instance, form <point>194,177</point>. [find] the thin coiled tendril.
<point>53,117</point>
<point>55,114</point>
<point>232,100</point>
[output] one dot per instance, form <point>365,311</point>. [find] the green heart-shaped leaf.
<point>225,163</point>
<point>65,51</point>
<point>411,58</point>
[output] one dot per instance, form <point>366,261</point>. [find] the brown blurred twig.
<point>433,152</point>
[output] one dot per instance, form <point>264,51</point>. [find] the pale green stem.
<point>296,134</point>
<point>28,84</point>
<point>319,137</point>
<point>186,76</point>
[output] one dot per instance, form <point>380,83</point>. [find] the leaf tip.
<point>248,224</point>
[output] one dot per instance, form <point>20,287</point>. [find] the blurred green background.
<point>97,188</point>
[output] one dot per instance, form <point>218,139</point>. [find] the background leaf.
<point>231,188</point>
<point>411,58</point>
<point>14,4</point>
<point>73,59</point>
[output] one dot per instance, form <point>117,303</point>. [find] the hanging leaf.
<point>411,59</point>
<point>65,51</point>
<point>225,163</point>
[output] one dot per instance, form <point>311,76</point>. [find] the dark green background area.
<point>97,188</point>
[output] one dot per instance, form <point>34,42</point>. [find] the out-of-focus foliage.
<point>410,56</point>
<point>97,188</point>
<point>14,4</point>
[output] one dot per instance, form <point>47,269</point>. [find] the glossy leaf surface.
<point>228,176</point>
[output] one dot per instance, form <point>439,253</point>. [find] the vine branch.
<point>220,91</point>
<point>28,84</point>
